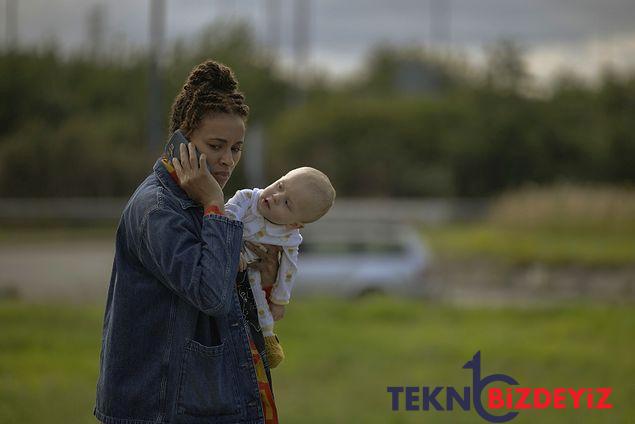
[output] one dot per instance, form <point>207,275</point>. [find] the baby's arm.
<point>236,207</point>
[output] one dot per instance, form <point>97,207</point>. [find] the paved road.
<point>79,271</point>
<point>66,270</point>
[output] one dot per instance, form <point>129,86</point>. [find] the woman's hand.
<point>267,263</point>
<point>195,178</point>
<point>242,264</point>
<point>277,311</point>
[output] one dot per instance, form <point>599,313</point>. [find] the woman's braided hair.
<point>210,88</point>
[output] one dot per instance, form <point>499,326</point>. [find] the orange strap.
<point>266,395</point>
<point>170,168</point>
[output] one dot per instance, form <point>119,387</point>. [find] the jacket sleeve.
<point>288,270</point>
<point>200,267</point>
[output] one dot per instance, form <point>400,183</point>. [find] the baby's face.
<point>287,200</point>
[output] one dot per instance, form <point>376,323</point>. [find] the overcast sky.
<point>576,34</point>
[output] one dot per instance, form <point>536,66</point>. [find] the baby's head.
<point>300,197</point>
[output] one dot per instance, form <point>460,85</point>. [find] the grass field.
<point>580,246</point>
<point>555,225</point>
<point>341,356</point>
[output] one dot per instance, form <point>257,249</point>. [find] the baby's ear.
<point>295,226</point>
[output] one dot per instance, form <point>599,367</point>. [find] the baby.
<point>274,216</point>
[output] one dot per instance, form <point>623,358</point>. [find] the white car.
<point>354,258</point>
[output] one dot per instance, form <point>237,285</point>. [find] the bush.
<point>593,207</point>
<point>78,159</point>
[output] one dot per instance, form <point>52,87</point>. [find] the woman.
<point>177,347</point>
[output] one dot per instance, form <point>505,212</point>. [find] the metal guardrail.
<point>63,209</point>
<point>428,211</point>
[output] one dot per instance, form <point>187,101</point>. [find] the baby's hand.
<point>242,265</point>
<point>277,311</point>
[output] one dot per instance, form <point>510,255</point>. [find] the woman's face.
<point>220,137</point>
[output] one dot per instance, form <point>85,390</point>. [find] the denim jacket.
<point>175,345</point>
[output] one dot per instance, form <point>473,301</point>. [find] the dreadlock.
<point>211,87</point>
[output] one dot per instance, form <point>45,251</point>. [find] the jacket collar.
<point>168,182</point>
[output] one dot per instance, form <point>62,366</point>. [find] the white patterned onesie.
<point>243,207</point>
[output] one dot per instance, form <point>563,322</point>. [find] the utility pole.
<point>301,34</point>
<point>440,23</point>
<point>95,29</point>
<point>273,15</point>
<point>11,27</point>
<point>157,30</point>
<point>255,156</point>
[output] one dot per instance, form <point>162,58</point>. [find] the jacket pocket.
<point>207,385</point>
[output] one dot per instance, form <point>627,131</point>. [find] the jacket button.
<point>252,403</point>
<point>234,324</point>
<point>244,365</point>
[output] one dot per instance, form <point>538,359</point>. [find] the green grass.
<point>48,362</point>
<point>524,245</point>
<point>342,355</point>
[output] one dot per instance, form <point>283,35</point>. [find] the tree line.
<point>413,123</point>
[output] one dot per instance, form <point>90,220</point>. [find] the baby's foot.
<point>274,351</point>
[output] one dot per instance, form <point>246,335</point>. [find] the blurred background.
<point>484,157</point>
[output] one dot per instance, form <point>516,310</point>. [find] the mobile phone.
<point>172,149</point>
